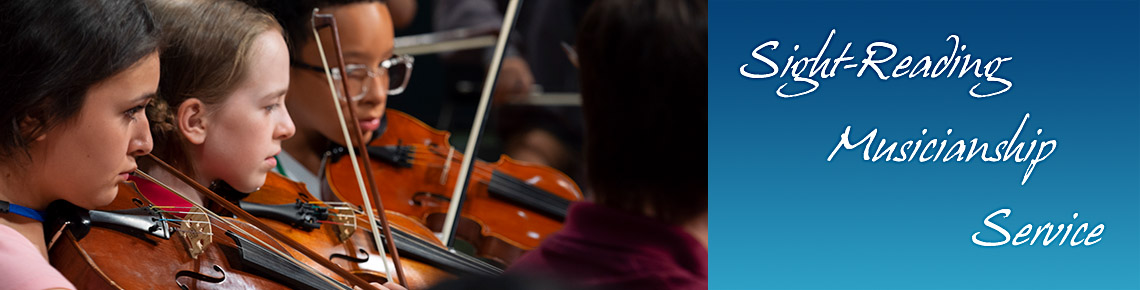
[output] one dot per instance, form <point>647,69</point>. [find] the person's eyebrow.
<point>144,97</point>
<point>357,55</point>
<point>275,94</point>
<point>353,55</point>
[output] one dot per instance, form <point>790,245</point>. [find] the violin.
<point>510,208</point>
<point>332,230</point>
<point>132,244</point>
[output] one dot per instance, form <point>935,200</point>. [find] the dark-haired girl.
<point>76,77</point>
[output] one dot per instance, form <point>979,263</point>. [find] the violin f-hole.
<point>200,277</point>
<point>350,258</point>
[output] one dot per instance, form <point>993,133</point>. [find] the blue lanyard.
<point>6,207</point>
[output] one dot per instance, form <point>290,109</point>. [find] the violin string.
<point>195,205</point>
<point>342,215</point>
<point>353,211</point>
<point>192,231</point>
<point>481,172</point>
<point>214,216</point>
<point>428,163</point>
<point>170,206</point>
<point>186,221</point>
<point>336,205</point>
<point>433,153</point>
<point>360,228</point>
<point>332,223</point>
<point>328,205</point>
<point>183,212</point>
<point>477,171</point>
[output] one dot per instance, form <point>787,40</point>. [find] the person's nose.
<point>141,142</point>
<point>285,127</point>
<point>375,93</point>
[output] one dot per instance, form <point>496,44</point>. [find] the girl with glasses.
<point>374,73</point>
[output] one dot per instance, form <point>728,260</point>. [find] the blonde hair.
<point>207,53</point>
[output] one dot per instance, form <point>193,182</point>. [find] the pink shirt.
<point>22,267</point>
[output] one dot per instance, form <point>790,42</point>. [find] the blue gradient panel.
<point>784,217</point>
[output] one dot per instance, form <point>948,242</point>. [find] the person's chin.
<point>368,136</point>
<point>252,183</point>
<point>104,198</point>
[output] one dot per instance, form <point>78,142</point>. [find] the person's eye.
<point>358,73</point>
<point>133,113</point>
<point>272,107</point>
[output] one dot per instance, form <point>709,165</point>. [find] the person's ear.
<point>30,124</point>
<point>192,120</point>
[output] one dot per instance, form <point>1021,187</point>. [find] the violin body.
<point>500,229</point>
<point>356,252</point>
<point>110,259</point>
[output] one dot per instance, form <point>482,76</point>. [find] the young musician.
<point>366,37</point>
<point>220,116</point>
<point>643,75</point>
<point>220,113</point>
<point>76,77</point>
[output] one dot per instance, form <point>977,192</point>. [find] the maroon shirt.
<point>611,249</point>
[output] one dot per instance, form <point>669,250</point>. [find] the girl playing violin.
<point>420,168</point>
<point>366,34</point>
<point>77,76</point>
<point>220,115</point>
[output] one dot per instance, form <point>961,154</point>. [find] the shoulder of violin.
<point>125,198</point>
<point>276,180</point>
<point>510,165</point>
<point>279,189</point>
<point>402,126</point>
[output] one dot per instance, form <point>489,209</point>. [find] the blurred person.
<point>534,62</point>
<point>642,67</point>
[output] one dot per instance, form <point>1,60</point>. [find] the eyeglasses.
<point>394,73</point>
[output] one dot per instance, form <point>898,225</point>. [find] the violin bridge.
<point>196,232</point>
<point>344,219</point>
